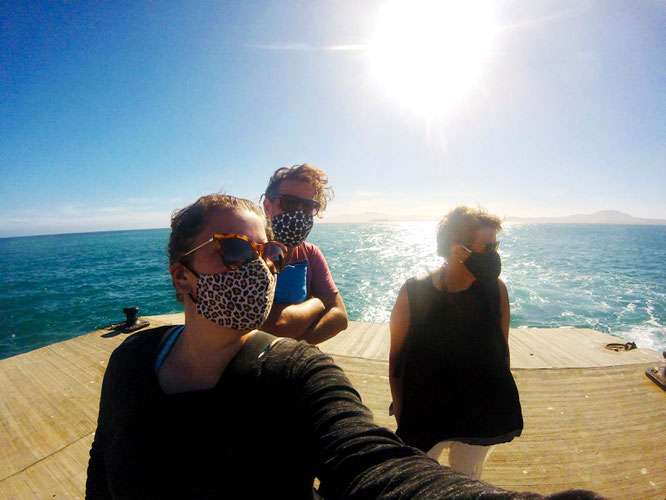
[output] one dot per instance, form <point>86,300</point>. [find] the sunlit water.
<point>610,278</point>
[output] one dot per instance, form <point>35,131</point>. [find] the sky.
<point>113,114</point>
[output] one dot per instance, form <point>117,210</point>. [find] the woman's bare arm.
<point>399,328</point>
<point>505,316</point>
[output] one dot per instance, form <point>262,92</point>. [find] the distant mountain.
<point>601,217</point>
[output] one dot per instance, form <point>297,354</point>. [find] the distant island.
<point>601,217</point>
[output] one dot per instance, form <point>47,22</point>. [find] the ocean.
<point>611,278</point>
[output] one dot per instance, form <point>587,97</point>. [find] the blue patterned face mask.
<point>291,228</point>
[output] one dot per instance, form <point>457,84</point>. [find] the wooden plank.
<point>530,347</point>
<point>59,475</point>
<point>597,428</point>
<point>49,402</point>
<point>602,429</point>
<point>50,398</point>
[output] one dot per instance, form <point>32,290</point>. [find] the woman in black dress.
<point>449,360</point>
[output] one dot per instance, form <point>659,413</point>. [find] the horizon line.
<point>376,221</point>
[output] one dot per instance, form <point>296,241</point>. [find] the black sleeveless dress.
<point>456,382</point>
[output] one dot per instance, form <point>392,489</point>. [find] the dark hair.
<point>188,222</point>
<point>460,225</point>
<point>306,173</point>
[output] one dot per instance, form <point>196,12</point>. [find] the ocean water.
<point>611,278</point>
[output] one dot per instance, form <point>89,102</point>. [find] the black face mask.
<point>484,266</point>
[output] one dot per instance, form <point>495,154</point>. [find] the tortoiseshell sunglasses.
<point>236,250</point>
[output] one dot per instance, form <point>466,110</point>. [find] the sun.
<point>428,53</point>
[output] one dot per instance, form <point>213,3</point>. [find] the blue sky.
<point>112,114</point>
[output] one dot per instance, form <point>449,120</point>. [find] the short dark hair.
<point>460,225</point>
<point>314,176</point>
<point>188,222</point>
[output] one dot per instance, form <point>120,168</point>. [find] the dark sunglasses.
<point>487,248</point>
<point>237,250</point>
<point>289,202</point>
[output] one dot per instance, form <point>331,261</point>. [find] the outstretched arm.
<point>355,458</point>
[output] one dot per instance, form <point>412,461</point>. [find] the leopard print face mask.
<point>291,228</point>
<point>240,299</point>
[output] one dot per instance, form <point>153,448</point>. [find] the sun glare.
<point>427,53</point>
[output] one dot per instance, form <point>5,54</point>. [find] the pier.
<point>592,417</point>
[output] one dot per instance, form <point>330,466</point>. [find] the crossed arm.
<point>315,320</point>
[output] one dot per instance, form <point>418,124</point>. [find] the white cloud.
<point>140,201</point>
<point>539,21</point>
<point>345,47</point>
<point>303,47</point>
<point>80,218</point>
<point>111,209</point>
<point>70,209</point>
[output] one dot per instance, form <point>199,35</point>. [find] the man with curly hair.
<point>307,305</point>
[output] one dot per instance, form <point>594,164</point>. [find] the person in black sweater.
<point>216,409</point>
<point>449,358</point>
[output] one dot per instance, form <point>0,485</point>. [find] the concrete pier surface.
<point>593,419</point>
